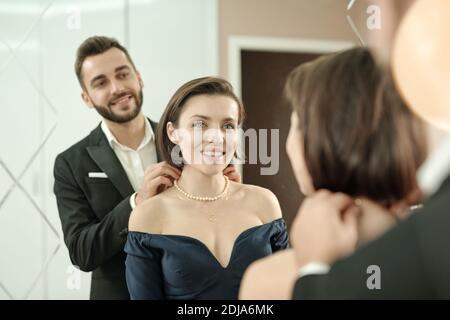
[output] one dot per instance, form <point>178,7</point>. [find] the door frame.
<point>300,45</point>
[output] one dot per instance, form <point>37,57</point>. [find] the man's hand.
<point>157,178</point>
<point>325,228</point>
<point>232,174</point>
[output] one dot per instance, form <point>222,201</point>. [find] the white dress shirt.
<point>134,161</point>
<point>313,268</point>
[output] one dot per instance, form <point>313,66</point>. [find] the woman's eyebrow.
<point>200,116</point>
<point>208,118</point>
<point>229,119</point>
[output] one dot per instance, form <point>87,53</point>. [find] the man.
<point>409,262</point>
<point>99,180</point>
<point>412,260</point>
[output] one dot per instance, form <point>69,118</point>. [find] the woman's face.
<point>294,149</point>
<point>206,132</point>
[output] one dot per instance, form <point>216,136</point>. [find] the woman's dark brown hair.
<point>358,135</point>
<point>200,86</point>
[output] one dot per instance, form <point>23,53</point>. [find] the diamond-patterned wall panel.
<point>4,295</point>
<point>34,180</point>
<point>66,282</point>
<point>5,54</point>
<point>6,183</point>
<point>39,290</point>
<point>43,114</point>
<point>17,18</point>
<point>30,58</point>
<point>33,36</point>
<point>19,106</point>
<point>25,244</point>
<point>17,21</point>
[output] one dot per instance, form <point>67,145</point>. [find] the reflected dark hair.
<point>93,46</point>
<point>200,86</point>
<point>358,135</point>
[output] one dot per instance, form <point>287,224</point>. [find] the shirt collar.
<point>148,136</point>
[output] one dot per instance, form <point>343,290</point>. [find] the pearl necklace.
<point>197,198</point>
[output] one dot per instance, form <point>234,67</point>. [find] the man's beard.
<point>107,113</point>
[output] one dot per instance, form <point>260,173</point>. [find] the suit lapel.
<point>103,155</point>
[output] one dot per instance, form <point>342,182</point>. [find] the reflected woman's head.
<point>199,126</point>
<point>350,130</point>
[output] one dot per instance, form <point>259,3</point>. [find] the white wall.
<point>171,41</point>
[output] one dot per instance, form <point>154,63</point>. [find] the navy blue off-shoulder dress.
<point>180,267</point>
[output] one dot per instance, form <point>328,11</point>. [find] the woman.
<point>195,239</point>
<point>351,133</point>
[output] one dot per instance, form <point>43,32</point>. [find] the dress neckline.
<point>202,244</point>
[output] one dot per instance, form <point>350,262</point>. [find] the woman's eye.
<point>199,124</point>
<point>229,126</point>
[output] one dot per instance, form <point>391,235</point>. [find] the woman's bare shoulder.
<point>147,217</point>
<point>263,201</point>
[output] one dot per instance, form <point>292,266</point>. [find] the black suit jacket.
<point>414,261</point>
<point>94,212</point>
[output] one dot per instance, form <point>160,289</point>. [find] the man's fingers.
<point>341,201</point>
<point>234,177</point>
<point>232,173</point>
<point>159,165</point>
<point>229,170</point>
<point>350,217</point>
<point>230,167</point>
<point>162,170</point>
<point>321,194</point>
<point>168,166</point>
<point>170,171</point>
<point>173,168</point>
<point>157,182</point>
<point>350,225</point>
<point>163,180</point>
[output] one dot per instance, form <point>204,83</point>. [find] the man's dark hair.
<point>93,46</point>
